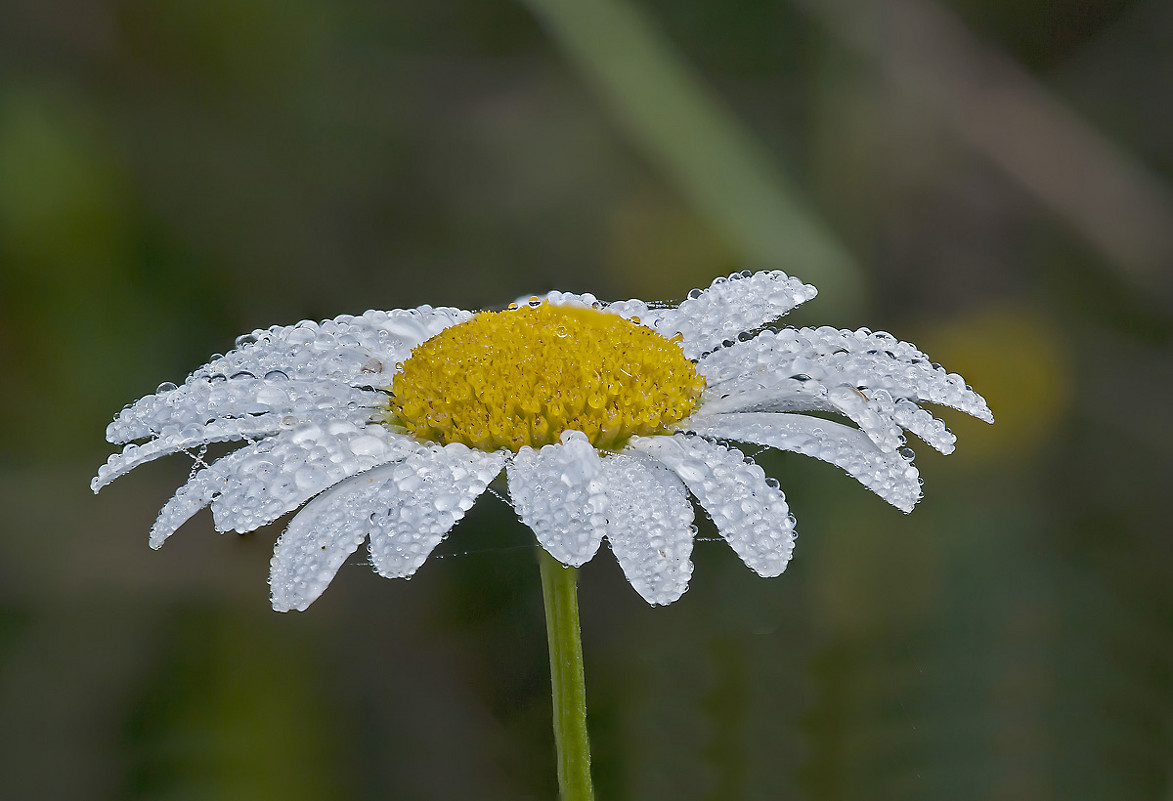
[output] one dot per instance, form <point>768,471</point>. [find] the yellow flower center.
<point>526,375</point>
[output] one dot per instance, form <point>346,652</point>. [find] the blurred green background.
<point>989,179</point>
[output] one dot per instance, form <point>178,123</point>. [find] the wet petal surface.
<point>741,302</point>
<point>357,350</point>
<point>258,483</point>
<point>888,474</point>
<point>321,537</point>
<point>558,492</point>
<point>649,526</point>
<point>749,512</point>
<point>422,499</point>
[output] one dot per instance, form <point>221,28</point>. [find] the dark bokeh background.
<point>987,178</point>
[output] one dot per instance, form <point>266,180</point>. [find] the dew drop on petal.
<point>692,471</point>
<point>446,501</point>
<point>367,445</point>
<point>271,396</point>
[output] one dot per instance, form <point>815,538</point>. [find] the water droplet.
<point>245,339</point>
<point>446,501</point>
<point>271,396</point>
<point>309,478</point>
<point>847,398</point>
<point>242,374</point>
<point>276,375</point>
<point>367,445</point>
<point>166,386</point>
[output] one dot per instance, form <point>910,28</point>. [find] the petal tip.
<point>771,570</point>
<point>661,598</point>
<point>568,558</point>
<point>285,604</point>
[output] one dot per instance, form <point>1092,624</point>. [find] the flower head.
<point>605,417</point>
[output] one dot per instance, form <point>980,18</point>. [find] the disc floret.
<point>525,375</point>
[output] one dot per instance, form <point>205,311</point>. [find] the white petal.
<point>628,309</point>
<point>875,411</point>
<point>767,393</point>
<point>558,493</point>
<point>280,474</point>
<point>889,475</point>
<point>749,513</point>
<point>260,482</point>
<point>741,302</point>
<point>780,394</point>
<point>133,455</point>
<point>406,509</point>
<point>362,351</point>
<point>200,401</point>
<point>197,493</point>
<point>227,430</point>
<point>424,497</point>
<point>556,298</point>
<point>634,309</point>
<point>883,417</point>
<point>649,526</point>
<point>867,360</point>
<point>321,537</point>
<point>873,415</point>
<point>639,311</point>
<point>913,418</point>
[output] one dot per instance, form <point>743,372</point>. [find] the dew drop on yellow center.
<point>526,375</point>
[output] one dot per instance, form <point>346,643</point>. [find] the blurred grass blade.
<point>726,175</point>
<point>1117,205</point>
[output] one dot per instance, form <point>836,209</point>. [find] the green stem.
<point>567,679</point>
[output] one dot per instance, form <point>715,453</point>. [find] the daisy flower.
<point>605,417</point>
